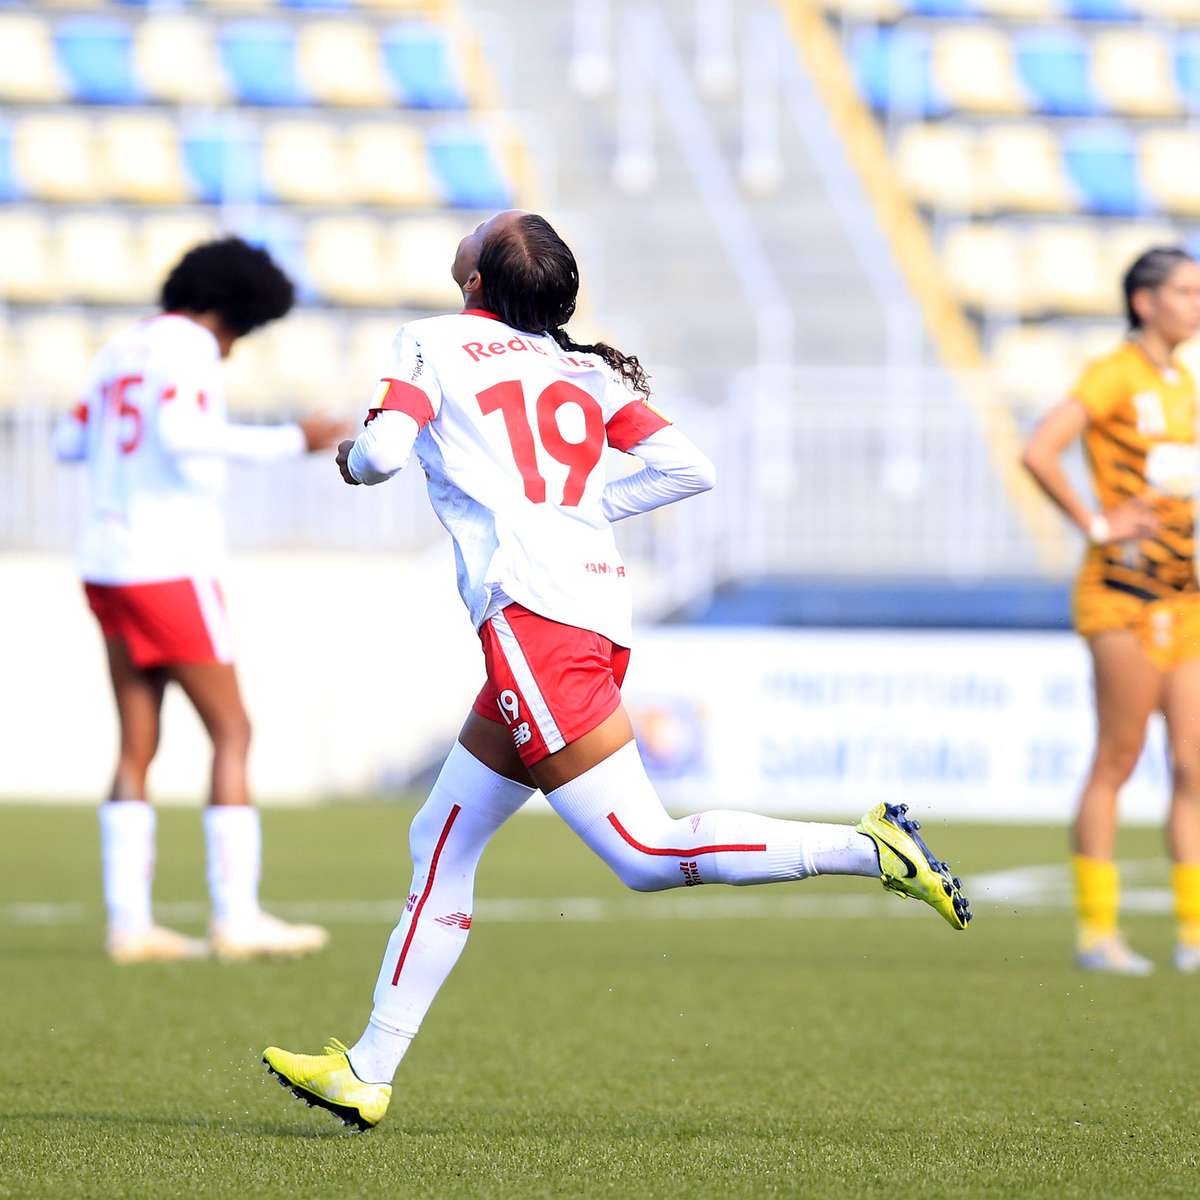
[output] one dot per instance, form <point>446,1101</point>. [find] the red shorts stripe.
<point>672,852</point>
<point>433,862</point>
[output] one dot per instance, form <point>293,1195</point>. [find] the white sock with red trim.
<point>468,803</point>
<point>127,863</point>
<point>616,811</point>
<point>233,837</point>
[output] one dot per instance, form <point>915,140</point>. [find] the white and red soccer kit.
<point>153,433</point>
<point>511,432</point>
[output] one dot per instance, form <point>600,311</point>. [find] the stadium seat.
<point>1130,239</point>
<point>305,353</point>
<point>1187,70</point>
<point>466,171</point>
<point>163,240</point>
<point>420,253</point>
<point>1175,11</point>
<point>29,72</point>
<point>943,8</point>
<point>418,60</point>
<point>1038,10</point>
<point>1022,169</point>
<point>937,165</point>
<point>55,352</point>
<point>340,63</point>
<point>1097,338</point>
<point>388,165</point>
<point>97,259</point>
<point>8,180</point>
<point>1132,73</point>
<point>1102,10</point>
<point>249,390</point>
<point>869,10</point>
<point>983,267</point>
<point>140,159</point>
<point>1053,64</point>
<point>368,352</point>
<point>96,53</point>
<point>260,59</point>
<point>892,69</point>
<point>1035,365</point>
<point>303,162</point>
<point>176,60</point>
<point>222,159</point>
<point>1102,163</point>
<point>1170,169</point>
<point>344,260</point>
<point>1065,272</point>
<point>54,156</point>
<point>973,69</point>
<point>26,268</point>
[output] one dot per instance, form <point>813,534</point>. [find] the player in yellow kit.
<point>1137,600</point>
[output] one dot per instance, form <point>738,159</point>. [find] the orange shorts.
<point>1168,630</point>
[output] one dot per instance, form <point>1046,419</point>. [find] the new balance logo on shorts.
<point>522,734</point>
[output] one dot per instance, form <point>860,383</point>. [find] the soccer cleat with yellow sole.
<point>328,1081</point>
<point>907,867</point>
<point>264,936</point>
<point>154,944</point>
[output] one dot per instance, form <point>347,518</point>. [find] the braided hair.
<point>531,282</point>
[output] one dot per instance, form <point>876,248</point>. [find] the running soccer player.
<point>510,419</point>
<point>1136,600</point>
<point>153,434</point>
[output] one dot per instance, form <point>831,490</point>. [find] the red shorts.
<point>175,621</point>
<point>549,683</point>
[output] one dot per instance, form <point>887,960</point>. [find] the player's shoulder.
<point>1114,368</point>
<point>443,326</point>
<point>178,337</point>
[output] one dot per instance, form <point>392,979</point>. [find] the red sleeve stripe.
<point>632,424</point>
<point>80,413</point>
<point>405,398</point>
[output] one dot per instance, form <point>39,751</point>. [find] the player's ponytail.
<point>531,282</point>
<point>1150,270</point>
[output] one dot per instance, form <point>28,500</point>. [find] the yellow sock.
<point>1185,881</point>
<point>1097,892</point>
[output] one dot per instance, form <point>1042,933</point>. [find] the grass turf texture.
<point>829,1056</point>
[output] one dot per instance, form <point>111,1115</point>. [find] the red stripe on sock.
<point>690,852</point>
<point>433,862</point>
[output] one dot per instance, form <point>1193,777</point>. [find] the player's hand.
<point>321,432</point>
<point>343,462</point>
<point>1131,520</point>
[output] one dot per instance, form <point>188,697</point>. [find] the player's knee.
<point>1115,761</point>
<point>424,832</point>
<point>233,733</point>
<point>634,859</point>
<point>1186,772</point>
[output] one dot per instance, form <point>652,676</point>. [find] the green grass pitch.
<point>793,1041</point>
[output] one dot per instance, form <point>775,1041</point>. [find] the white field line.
<point>1016,892</point>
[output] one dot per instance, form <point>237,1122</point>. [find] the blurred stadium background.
<point>861,244</point>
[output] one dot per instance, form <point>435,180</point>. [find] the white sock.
<point>127,863</point>
<point>468,803</point>
<point>614,809</point>
<point>233,838</point>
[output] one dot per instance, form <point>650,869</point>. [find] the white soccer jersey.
<point>512,438</point>
<point>153,433</point>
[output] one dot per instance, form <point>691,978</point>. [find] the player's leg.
<point>1128,688</point>
<point>599,786</point>
<point>1181,706</point>
<point>127,821</point>
<point>232,827</point>
<point>468,803</point>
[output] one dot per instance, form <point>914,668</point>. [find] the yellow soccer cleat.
<point>906,866</point>
<point>155,944</point>
<point>328,1081</point>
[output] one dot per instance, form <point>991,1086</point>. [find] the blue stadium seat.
<point>8,184</point>
<point>466,171</point>
<point>418,62</point>
<point>1187,70</point>
<point>1102,163</point>
<point>260,57</point>
<point>97,55</point>
<point>943,8</point>
<point>1102,10</point>
<point>893,71</point>
<point>222,165</point>
<point>1053,64</point>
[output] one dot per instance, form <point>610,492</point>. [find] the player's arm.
<point>70,434</point>
<point>1042,458</point>
<point>187,427</point>
<point>408,397</point>
<point>675,467</point>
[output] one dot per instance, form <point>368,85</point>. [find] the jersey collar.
<point>479,312</point>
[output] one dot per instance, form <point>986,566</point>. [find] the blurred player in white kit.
<point>153,435</point>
